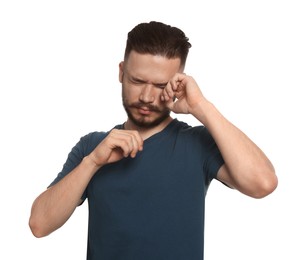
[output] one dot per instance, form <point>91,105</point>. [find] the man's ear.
<point>121,71</point>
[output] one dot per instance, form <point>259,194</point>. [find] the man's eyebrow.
<point>137,79</point>
<point>144,81</point>
<point>160,84</point>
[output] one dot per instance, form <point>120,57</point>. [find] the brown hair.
<point>157,38</point>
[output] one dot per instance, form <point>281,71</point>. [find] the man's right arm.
<point>54,206</point>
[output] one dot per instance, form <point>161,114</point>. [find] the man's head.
<point>157,38</point>
<point>154,53</point>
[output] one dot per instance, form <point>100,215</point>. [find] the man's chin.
<point>143,123</point>
<point>148,123</point>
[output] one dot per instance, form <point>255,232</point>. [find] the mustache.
<point>147,106</point>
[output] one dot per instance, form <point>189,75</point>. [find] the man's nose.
<point>147,94</point>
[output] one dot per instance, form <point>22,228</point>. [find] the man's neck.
<point>146,132</point>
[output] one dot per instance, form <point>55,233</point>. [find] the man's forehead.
<point>147,78</point>
<point>154,69</point>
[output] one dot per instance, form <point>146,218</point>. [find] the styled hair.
<point>157,38</point>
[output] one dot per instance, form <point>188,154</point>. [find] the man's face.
<point>143,78</point>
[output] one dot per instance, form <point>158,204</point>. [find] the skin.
<point>152,86</point>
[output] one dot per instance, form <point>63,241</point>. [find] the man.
<point>146,179</point>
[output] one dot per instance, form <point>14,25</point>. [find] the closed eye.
<point>139,82</point>
<point>161,85</point>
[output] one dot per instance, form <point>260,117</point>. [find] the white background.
<point>59,81</point>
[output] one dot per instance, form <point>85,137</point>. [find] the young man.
<point>146,179</point>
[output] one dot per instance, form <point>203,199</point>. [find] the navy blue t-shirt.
<point>150,207</point>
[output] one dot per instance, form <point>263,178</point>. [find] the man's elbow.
<point>36,228</point>
<point>266,186</point>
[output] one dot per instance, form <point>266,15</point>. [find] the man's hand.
<point>182,94</point>
<point>117,145</point>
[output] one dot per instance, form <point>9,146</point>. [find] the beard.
<point>145,121</point>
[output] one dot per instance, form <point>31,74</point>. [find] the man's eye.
<point>137,82</point>
<point>162,86</point>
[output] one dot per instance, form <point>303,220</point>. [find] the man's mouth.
<point>145,110</point>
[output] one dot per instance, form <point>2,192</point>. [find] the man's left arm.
<point>246,167</point>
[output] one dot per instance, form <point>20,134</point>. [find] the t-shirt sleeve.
<point>85,145</point>
<point>213,162</point>
<point>213,159</point>
<point>75,156</point>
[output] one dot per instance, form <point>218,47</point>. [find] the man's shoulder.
<point>187,128</point>
<point>93,138</point>
<point>94,135</point>
<point>98,135</point>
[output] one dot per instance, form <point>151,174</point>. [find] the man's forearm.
<point>248,168</point>
<point>54,206</point>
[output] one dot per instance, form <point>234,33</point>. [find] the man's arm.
<point>246,167</point>
<point>54,206</point>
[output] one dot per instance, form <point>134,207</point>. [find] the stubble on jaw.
<point>142,122</point>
